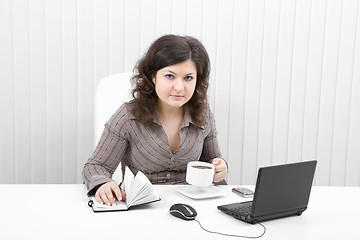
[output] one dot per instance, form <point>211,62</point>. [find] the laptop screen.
<point>283,188</point>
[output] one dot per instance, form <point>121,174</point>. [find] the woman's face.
<point>175,84</point>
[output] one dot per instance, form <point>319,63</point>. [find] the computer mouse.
<point>183,211</point>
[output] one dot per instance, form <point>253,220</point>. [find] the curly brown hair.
<point>166,51</point>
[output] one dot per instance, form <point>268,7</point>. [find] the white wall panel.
<point>70,91</point>
<point>178,11</point>
<point>147,24</point>
<point>209,38</point>
<point>116,36</point>
<point>328,90</point>
<point>268,70</point>
<point>352,172</point>
<point>7,100</point>
<point>298,80</point>
<point>222,75</point>
<point>343,92</point>
<point>38,91</point>
<point>194,15</point>
<point>237,91</point>
<point>21,78</point>
<point>284,85</point>
<point>132,33</point>
<point>164,18</point>
<point>283,81</point>
<point>54,91</point>
<point>85,80</point>
<point>252,89</point>
<point>313,82</point>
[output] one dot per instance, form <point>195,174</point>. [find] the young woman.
<point>166,125</point>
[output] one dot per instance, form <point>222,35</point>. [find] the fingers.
<point>220,169</point>
<point>216,161</point>
<point>108,192</point>
<point>219,176</point>
<point>119,193</point>
<point>123,195</point>
<point>103,196</point>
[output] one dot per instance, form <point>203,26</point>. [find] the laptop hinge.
<point>252,220</point>
<point>301,211</point>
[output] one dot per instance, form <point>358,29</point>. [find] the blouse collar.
<point>186,122</point>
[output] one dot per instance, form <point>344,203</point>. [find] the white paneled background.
<point>285,80</point>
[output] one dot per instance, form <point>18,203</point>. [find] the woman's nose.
<point>178,84</point>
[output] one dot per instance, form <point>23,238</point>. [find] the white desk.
<point>61,212</point>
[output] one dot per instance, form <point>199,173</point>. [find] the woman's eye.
<point>188,78</point>
<point>169,76</point>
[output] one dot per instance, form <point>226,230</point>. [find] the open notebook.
<point>138,190</point>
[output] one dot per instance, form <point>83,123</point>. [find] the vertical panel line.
<point>13,82</point>
<point>244,97</point>
<point>321,81</point>
<point>306,82</point>
<point>156,14</point>
<point>140,29</point>
<point>202,17</point>
<point>46,92</point>
<point>78,79</point>
<point>171,19</point>
<point>30,103</point>
<point>109,36</point>
<point>62,89</point>
<point>124,37</point>
<point>291,83</point>
<point>92,42</point>
<point>260,86</point>
<point>78,173</point>
<point>351,87</point>
<point>93,16</point>
<point>275,84</point>
<point>45,96</point>
<point>140,25</point>
<point>231,77</point>
<point>335,94</point>
<point>351,93</point>
<point>186,17</point>
<point>357,23</point>
<point>216,53</point>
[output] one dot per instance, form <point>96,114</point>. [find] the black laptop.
<point>280,191</point>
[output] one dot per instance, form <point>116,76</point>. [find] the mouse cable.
<point>232,235</point>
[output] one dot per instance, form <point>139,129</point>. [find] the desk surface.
<point>61,212</point>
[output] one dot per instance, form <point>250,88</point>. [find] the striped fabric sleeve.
<point>210,148</point>
<point>108,153</point>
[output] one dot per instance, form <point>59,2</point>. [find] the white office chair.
<point>111,93</point>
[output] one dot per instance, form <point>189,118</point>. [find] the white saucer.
<point>195,192</point>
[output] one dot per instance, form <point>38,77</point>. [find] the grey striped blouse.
<point>145,147</point>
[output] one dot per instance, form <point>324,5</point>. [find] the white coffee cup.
<point>200,173</point>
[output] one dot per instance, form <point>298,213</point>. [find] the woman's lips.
<point>177,96</point>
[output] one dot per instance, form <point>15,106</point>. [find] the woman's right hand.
<point>105,193</point>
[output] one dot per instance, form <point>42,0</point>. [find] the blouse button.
<point>168,175</point>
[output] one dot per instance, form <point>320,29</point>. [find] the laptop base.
<point>229,209</point>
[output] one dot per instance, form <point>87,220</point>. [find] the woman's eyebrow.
<point>191,73</point>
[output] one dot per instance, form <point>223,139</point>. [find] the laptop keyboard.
<point>243,209</point>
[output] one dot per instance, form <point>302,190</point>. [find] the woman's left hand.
<point>220,169</point>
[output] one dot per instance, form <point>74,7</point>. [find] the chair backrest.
<point>111,93</point>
